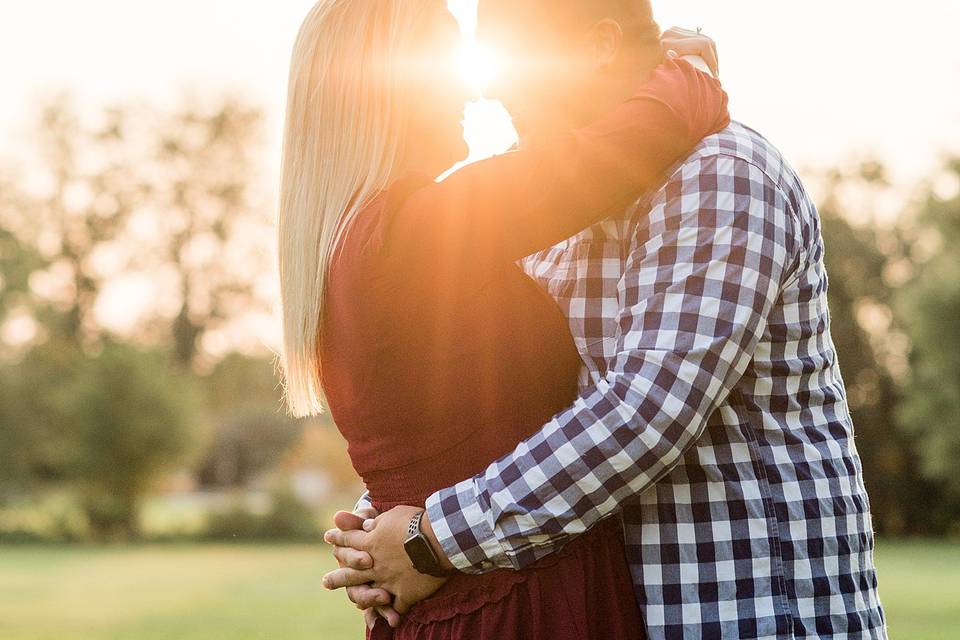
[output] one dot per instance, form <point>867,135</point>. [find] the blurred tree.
<point>929,306</point>
<point>17,259</point>
<point>33,431</point>
<point>126,418</point>
<point>89,193</point>
<point>246,443</point>
<point>17,304</point>
<point>857,259</point>
<point>172,196</point>
<point>16,439</point>
<point>250,430</point>
<point>212,232</point>
<point>322,448</point>
<point>288,518</point>
<point>241,381</point>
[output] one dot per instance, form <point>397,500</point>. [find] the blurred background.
<point>151,485</point>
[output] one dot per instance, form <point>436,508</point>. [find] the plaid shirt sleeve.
<point>705,268</point>
<point>363,502</point>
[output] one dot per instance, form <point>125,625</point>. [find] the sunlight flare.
<point>478,65</point>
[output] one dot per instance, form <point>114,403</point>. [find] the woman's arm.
<point>509,206</point>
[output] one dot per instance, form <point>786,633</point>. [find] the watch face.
<point>421,554</point>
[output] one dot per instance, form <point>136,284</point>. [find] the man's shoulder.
<point>737,161</point>
<point>747,147</point>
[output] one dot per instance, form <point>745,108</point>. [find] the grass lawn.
<point>273,592</point>
<point>170,592</point>
<point>920,589</point>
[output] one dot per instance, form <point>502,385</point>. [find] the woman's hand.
<point>677,42</point>
<point>382,540</point>
<point>375,603</point>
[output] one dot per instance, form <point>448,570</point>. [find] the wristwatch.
<point>421,552</point>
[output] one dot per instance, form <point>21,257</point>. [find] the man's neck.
<point>604,95</point>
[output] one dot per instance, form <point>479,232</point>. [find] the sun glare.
<point>487,127</point>
<point>478,65</point>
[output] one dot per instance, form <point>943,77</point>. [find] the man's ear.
<point>605,38</point>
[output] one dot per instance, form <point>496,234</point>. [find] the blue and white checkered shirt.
<point>712,417</point>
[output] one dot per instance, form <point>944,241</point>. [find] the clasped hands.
<point>374,567</point>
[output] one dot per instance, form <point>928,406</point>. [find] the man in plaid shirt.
<point>712,418</point>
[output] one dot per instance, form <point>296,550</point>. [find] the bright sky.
<point>826,80</point>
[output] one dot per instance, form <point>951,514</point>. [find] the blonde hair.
<point>343,133</point>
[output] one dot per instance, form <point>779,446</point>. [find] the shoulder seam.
<point>795,234</point>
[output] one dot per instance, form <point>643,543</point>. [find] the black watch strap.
<point>421,552</point>
<point>414,527</point>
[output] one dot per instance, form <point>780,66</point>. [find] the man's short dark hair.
<point>641,32</point>
<point>639,11</point>
<point>634,16</point>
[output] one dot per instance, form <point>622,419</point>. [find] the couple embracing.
<point>589,384</point>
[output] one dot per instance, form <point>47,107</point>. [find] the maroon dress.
<point>439,354</point>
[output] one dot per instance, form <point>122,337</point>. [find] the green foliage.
<point>288,518</point>
<point>251,431</point>
<point>32,424</point>
<point>16,438</point>
<point>52,516</point>
<point>17,262</point>
<point>856,266</point>
<point>126,419</point>
<point>189,174</point>
<point>930,309</point>
<point>242,382</point>
<point>245,443</point>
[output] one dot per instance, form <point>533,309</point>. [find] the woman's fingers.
<point>340,578</point>
<point>390,615</point>
<point>694,46</point>
<point>352,558</point>
<point>370,618</point>
<point>368,597</point>
<point>692,43</point>
<point>681,32</point>
<point>340,538</point>
<point>368,512</point>
<point>346,521</point>
<point>691,47</point>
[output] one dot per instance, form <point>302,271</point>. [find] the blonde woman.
<point>403,304</point>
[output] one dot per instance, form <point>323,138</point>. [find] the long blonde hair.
<point>343,133</point>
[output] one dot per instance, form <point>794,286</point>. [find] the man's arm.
<point>699,285</point>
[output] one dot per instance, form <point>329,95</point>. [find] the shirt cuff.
<point>363,503</point>
<point>460,524</point>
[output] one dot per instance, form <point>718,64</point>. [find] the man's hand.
<point>382,540</point>
<point>374,603</point>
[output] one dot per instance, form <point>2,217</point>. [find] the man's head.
<point>565,61</point>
